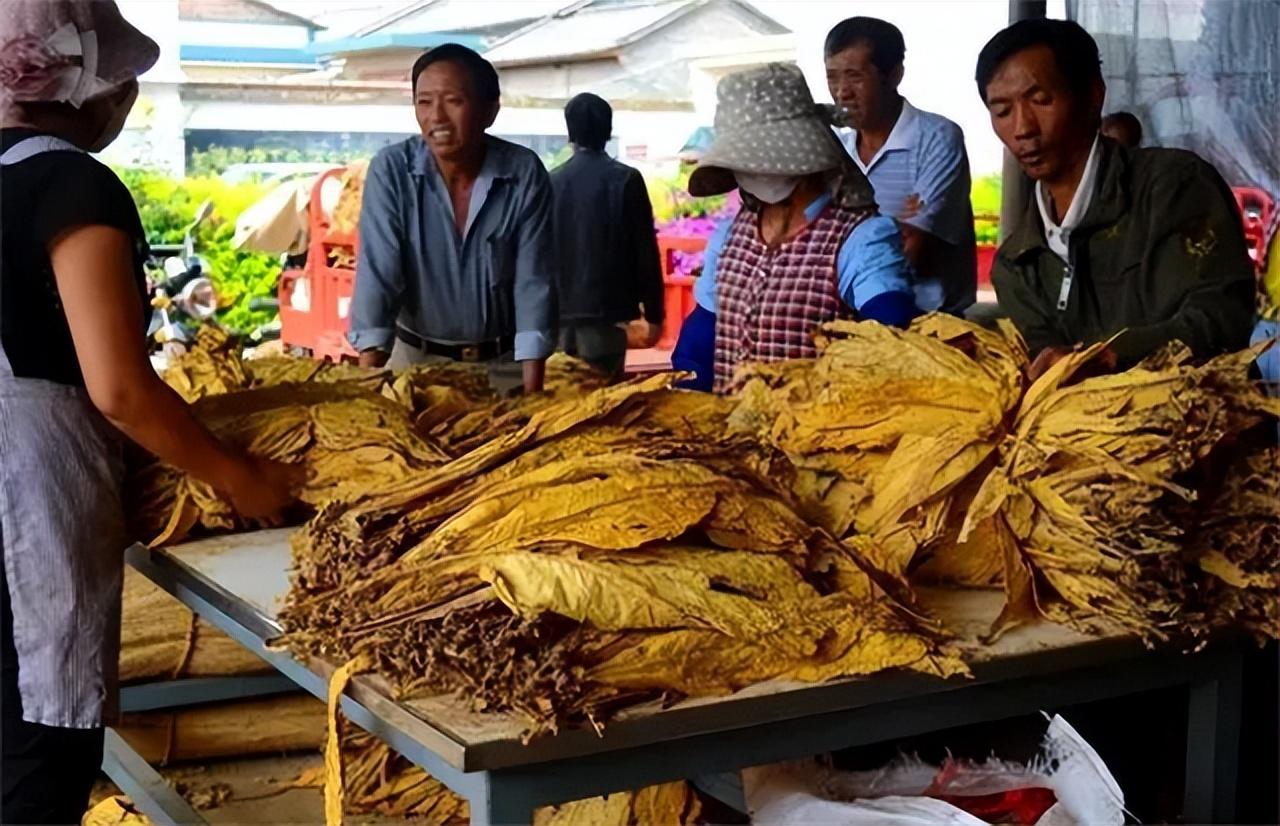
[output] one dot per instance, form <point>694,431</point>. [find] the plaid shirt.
<point>770,300</point>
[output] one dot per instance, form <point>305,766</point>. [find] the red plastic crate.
<point>677,300</point>
<point>986,260</point>
<point>334,288</point>
<point>1256,207</point>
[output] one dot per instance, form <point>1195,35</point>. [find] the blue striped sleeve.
<point>871,262</point>
<point>942,184</point>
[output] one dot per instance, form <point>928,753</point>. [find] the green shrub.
<point>218,159</point>
<point>167,207</point>
<point>985,197</point>
<point>671,199</point>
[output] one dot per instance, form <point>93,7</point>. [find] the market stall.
<point>599,588</point>
<point>239,583</point>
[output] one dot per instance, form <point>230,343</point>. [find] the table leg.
<point>1213,743</point>
<point>150,792</point>
<point>504,800</point>
<point>725,787</point>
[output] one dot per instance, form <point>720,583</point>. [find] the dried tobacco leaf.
<point>603,523</point>
<point>1096,481</point>
<point>886,424</point>
<point>379,781</point>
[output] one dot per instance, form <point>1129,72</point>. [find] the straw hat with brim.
<point>68,51</point>
<point>766,124</point>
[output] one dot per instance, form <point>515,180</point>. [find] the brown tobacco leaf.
<point>379,781</point>
<point>1236,542</point>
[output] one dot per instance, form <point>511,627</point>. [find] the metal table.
<point>238,583</point>
<point>134,776</point>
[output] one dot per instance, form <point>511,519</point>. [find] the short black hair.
<point>589,119</point>
<point>1074,51</point>
<point>484,78</point>
<point>1126,122</point>
<point>888,49</point>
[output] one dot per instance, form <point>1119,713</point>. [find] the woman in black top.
<point>74,379</point>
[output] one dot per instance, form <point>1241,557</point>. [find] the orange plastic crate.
<point>677,290</point>
<point>332,286</point>
<point>298,316</point>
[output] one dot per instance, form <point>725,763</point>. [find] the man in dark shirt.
<point>1143,245</point>
<point>607,252</point>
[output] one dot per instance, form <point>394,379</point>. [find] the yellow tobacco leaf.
<point>759,575</point>
<point>617,596</point>
<point>744,519</point>
<point>666,803</point>
<point>1214,562</point>
<point>614,810</point>
<point>600,502</point>
<point>858,638</point>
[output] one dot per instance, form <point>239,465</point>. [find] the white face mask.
<point>771,189</point>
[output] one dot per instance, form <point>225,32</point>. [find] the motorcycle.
<point>182,296</point>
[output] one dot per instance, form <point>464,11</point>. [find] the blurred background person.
<point>608,272</point>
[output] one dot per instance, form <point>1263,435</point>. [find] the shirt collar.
<point>904,135</point>
<point>1110,201</point>
<point>497,162</point>
<point>496,167</point>
<point>815,207</point>
<point>1080,202</point>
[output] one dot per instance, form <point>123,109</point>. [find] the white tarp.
<point>1202,75</point>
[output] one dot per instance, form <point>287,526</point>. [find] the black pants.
<point>48,772</point>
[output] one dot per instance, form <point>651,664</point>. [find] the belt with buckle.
<point>481,351</point>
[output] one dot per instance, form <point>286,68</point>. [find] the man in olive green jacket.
<point>1144,243</point>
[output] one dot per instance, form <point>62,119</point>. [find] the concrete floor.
<point>259,792</point>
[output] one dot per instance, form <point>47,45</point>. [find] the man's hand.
<point>911,207</point>
<point>1048,357</point>
<point>374,358</point>
<point>1101,364</point>
<point>643,334</point>
<point>535,372</point>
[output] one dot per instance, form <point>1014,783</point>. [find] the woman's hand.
<point>261,488</point>
<point>94,269</point>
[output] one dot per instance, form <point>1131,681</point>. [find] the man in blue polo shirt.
<point>915,160</point>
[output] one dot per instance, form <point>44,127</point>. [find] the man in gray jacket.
<point>607,252</point>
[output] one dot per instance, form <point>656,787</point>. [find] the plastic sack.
<point>907,792</point>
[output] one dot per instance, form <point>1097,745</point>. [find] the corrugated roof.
<point>593,28</point>
<point>226,12</point>
<point>340,17</point>
<point>468,15</point>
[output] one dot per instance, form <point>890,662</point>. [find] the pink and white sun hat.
<point>68,51</point>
